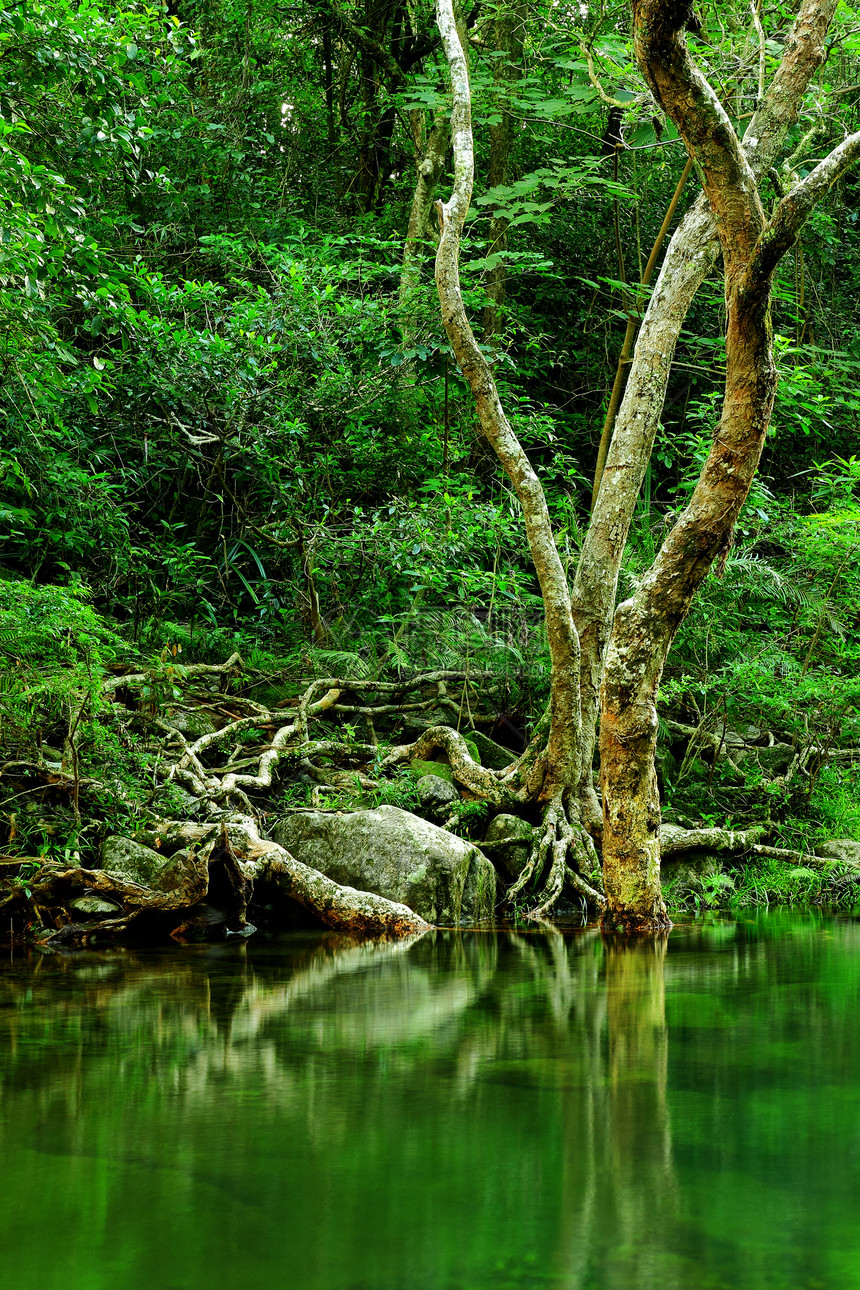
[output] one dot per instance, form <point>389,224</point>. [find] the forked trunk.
<point>645,625</point>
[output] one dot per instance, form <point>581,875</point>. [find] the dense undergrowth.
<point>223,430</point>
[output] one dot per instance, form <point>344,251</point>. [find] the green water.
<point>471,1111</point>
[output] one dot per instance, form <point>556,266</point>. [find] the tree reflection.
<point>500,1099</point>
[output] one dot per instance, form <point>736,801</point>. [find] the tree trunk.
<point>430,169</point>
<point>559,766</point>
<point>556,770</point>
<point>645,625</point>
<point>691,255</point>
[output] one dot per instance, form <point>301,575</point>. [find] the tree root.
<point>245,859</point>
<point>559,840</point>
<point>486,784</point>
<point>676,841</point>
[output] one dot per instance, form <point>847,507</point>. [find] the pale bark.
<point>630,336</point>
<point>644,626</point>
<point>691,255</point>
<point>248,859</point>
<point>342,908</point>
<point>564,747</point>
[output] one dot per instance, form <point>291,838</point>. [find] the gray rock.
<point>518,834</point>
<point>730,738</point>
<point>440,769</point>
<point>844,849</point>
<point>774,760</point>
<point>436,795</point>
<point>492,754</point>
<point>123,858</point>
<point>177,804</point>
<point>93,906</point>
<point>192,723</point>
<point>397,855</point>
<point>132,862</point>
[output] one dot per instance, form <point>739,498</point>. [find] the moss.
<point>418,769</point>
<point>707,882</point>
<point>486,884</point>
<point>494,755</point>
<point>478,875</point>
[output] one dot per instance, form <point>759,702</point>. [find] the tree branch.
<point>563,640</point>
<point>796,207</point>
<point>682,91</point>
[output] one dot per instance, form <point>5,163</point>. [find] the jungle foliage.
<point>225,426</point>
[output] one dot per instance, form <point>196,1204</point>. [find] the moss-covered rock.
<point>509,840</point>
<point>492,754</point>
<point>418,769</point>
<point>395,854</point>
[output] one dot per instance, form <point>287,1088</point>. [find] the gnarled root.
<point>569,851</point>
<point>343,908</point>
<point>243,858</point>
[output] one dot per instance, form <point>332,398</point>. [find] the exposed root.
<point>569,850</point>
<point>676,841</point>
<point>479,779</point>
<point>243,857</point>
<point>291,742</point>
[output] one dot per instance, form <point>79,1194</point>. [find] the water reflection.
<point>463,1110</point>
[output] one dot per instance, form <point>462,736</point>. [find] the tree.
<point>594,647</point>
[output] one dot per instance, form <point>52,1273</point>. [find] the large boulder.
<point>396,855</point>
<point>130,861</point>
<point>844,849</point>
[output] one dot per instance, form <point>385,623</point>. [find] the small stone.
<point>436,794</point>
<point>518,834</point>
<point>93,906</point>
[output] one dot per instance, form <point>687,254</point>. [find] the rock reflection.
<point>496,1101</point>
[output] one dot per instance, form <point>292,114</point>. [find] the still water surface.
<point>480,1110</point>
